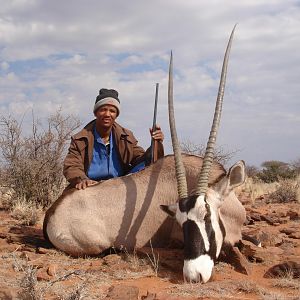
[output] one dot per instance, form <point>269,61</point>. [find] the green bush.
<point>274,170</point>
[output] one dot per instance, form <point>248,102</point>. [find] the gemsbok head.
<point>199,213</point>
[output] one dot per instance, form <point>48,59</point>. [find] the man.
<point>103,149</point>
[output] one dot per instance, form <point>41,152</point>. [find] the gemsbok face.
<point>199,213</point>
<point>203,228</point>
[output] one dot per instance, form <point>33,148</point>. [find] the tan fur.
<point>125,211</point>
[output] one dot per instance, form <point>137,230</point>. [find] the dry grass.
<point>256,189</point>
<point>298,189</point>
<point>287,191</point>
<point>287,280</point>
<point>154,260</point>
<point>243,289</point>
<point>216,289</point>
<point>26,213</point>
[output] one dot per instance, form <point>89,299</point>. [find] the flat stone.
<point>269,220</point>
<point>122,292</point>
<point>269,239</point>
<point>149,296</point>
<point>259,254</point>
<point>255,216</point>
<point>41,275</point>
<point>52,270</point>
<point>288,230</point>
<point>294,215</point>
<point>295,235</point>
<point>41,250</point>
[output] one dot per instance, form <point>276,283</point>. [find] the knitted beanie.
<point>107,96</point>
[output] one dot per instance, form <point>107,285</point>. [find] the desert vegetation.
<point>31,162</point>
<point>278,181</point>
<point>31,179</point>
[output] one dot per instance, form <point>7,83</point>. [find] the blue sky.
<point>60,53</point>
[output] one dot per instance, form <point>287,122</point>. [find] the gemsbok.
<point>124,212</point>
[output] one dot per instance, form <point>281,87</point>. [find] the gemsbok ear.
<point>236,174</point>
<point>169,209</point>
<point>235,177</point>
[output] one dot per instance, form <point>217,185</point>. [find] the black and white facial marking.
<point>203,238</point>
<point>203,234</point>
<point>202,227</point>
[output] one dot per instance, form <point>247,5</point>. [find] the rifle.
<point>154,142</point>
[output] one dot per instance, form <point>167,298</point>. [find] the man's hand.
<point>157,135</point>
<point>84,183</point>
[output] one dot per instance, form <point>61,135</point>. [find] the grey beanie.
<point>107,96</point>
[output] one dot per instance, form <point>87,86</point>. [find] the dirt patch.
<point>32,269</point>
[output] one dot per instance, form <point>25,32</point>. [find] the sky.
<point>59,54</point>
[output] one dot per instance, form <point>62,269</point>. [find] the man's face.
<point>106,115</point>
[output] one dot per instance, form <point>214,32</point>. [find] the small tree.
<point>220,154</point>
<point>32,164</point>
<point>274,170</point>
<point>252,171</point>
<point>296,166</point>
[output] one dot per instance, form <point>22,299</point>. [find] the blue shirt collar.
<point>99,139</point>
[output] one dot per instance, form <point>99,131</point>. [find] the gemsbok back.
<point>124,212</point>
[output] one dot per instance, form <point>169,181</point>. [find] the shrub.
<point>26,213</point>
<point>32,164</point>
<point>286,192</point>
<point>252,171</point>
<point>220,155</point>
<point>274,170</point>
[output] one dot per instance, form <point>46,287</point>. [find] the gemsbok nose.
<point>198,269</point>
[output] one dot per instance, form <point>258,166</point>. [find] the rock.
<point>288,230</point>
<point>149,296</point>
<point>269,239</point>
<point>51,270</point>
<point>295,235</point>
<point>269,220</point>
<point>259,254</point>
<point>284,269</point>
<point>294,215</point>
<point>41,275</point>
<point>3,235</point>
<point>122,292</point>
<point>233,256</point>
<point>41,250</point>
<point>27,248</point>
<point>255,216</point>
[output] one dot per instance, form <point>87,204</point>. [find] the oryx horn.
<point>203,178</point>
<point>179,167</point>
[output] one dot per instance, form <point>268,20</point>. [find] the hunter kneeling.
<point>103,149</point>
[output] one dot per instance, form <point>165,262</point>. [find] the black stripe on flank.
<point>193,241</point>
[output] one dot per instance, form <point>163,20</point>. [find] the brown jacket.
<point>80,152</point>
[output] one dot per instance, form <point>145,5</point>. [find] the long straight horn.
<point>203,178</point>
<point>179,167</point>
